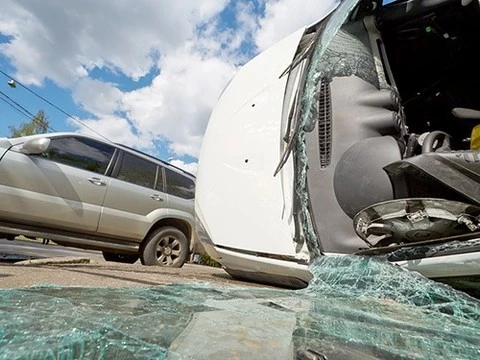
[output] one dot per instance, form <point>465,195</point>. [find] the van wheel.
<point>121,258</point>
<point>166,246</point>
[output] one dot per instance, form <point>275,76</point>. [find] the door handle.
<point>156,197</point>
<point>97,181</point>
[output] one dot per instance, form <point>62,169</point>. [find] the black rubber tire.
<point>166,246</point>
<point>120,258</point>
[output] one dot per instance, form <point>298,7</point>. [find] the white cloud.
<point>184,42</point>
<point>283,17</point>
<point>54,38</point>
<point>177,104</point>
<point>118,129</point>
<point>97,97</point>
<point>190,167</point>
<point>179,101</point>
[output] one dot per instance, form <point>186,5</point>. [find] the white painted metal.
<point>238,199</point>
<point>445,266</point>
<point>239,202</point>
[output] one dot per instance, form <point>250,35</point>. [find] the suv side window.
<point>81,153</point>
<point>137,170</point>
<point>179,185</point>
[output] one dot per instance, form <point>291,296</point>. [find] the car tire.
<point>121,258</point>
<point>166,246</point>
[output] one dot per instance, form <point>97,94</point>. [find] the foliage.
<point>206,260</point>
<point>37,125</point>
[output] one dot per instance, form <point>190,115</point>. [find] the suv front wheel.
<point>166,246</point>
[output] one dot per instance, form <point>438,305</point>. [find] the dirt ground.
<point>99,273</point>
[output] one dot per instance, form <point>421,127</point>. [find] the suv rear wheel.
<point>121,258</point>
<point>166,246</point>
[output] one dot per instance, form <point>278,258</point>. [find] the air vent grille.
<point>325,124</point>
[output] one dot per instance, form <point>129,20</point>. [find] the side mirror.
<point>33,146</point>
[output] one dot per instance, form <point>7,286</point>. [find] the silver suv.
<point>83,192</point>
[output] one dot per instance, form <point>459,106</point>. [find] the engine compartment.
<point>397,137</point>
<point>433,55</point>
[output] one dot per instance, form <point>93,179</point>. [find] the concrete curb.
<point>55,261</point>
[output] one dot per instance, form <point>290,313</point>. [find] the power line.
<point>53,105</point>
<point>25,112</point>
<point>12,106</point>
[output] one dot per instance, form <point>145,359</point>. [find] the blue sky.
<point>144,73</point>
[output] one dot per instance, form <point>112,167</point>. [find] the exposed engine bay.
<point>434,58</point>
<point>366,142</point>
<point>402,131</point>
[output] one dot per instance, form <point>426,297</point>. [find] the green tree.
<point>37,125</point>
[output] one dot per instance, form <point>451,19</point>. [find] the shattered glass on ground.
<point>354,308</point>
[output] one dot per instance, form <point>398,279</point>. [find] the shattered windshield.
<point>354,308</point>
<point>318,69</point>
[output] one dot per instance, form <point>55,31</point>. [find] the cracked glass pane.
<point>354,308</point>
<point>317,71</point>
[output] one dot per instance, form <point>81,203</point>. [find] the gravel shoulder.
<point>99,273</point>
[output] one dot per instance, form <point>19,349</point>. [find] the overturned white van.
<point>355,135</point>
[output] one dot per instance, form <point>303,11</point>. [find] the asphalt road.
<point>62,266</point>
<point>24,249</point>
